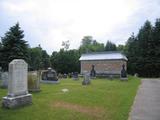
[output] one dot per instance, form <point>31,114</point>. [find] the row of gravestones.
<point>50,76</point>
<point>18,83</point>
<point>34,78</point>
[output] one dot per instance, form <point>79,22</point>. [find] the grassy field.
<point>102,100</point>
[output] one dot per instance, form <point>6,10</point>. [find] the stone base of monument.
<point>18,101</point>
<point>86,82</point>
<point>47,81</point>
<point>124,79</point>
<point>34,90</point>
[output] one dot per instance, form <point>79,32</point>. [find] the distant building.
<point>105,63</point>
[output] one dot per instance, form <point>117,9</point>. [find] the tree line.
<point>142,51</point>
<point>13,46</point>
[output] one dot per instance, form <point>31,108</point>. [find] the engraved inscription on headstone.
<point>17,78</point>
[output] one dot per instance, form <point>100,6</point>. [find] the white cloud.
<point>49,22</point>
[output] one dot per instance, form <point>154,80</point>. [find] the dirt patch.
<point>91,111</point>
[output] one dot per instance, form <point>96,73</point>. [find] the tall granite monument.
<point>123,73</point>
<point>17,85</point>
<point>93,72</point>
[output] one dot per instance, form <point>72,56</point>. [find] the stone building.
<point>105,63</point>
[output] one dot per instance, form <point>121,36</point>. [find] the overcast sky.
<point>49,22</point>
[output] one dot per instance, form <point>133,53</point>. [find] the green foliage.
<point>45,60</point>
<point>110,46</point>
<point>13,46</point>
<point>143,51</point>
<point>66,44</point>
<point>38,58</point>
<point>65,61</point>
<point>112,99</point>
<point>90,45</point>
<point>121,47</point>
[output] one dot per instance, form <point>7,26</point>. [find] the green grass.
<point>112,98</point>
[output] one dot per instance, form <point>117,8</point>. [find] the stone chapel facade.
<point>105,63</point>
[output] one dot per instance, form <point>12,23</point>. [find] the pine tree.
<point>131,53</point>
<point>156,45</point>
<point>110,46</point>
<point>13,46</point>
<point>145,47</point>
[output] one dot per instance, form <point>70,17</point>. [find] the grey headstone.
<point>49,76</point>
<point>75,76</point>
<point>17,85</point>
<point>4,82</point>
<point>64,75</point>
<point>86,80</point>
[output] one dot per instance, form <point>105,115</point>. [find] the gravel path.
<point>147,102</point>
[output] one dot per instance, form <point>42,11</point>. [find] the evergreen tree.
<point>0,54</point>
<point>145,50</point>
<point>110,46</point>
<point>13,46</point>
<point>131,52</point>
<point>156,46</point>
<point>45,60</point>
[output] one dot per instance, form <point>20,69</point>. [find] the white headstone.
<point>17,84</point>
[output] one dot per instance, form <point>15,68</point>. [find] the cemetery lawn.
<point>102,100</point>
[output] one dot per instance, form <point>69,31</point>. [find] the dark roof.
<point>111,55</point>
